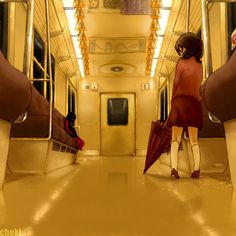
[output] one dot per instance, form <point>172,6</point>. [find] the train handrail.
<point>206,41</point>
<point>21,118</point>
<point>50,66</point>
<point>213,118</point>
<point>27,61</point>
<point>27,57</point>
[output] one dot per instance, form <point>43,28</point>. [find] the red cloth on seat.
<point>69,127</point>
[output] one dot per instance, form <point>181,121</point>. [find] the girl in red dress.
<point>186,113</point>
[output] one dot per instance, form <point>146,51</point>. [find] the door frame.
<point>135,115</point>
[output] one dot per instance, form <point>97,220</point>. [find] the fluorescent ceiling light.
<point>167,3</point>
<point>72,21</point>
<point>81,67</point>
<point>72,24</point>
<point>68,3</point>
<point>158,47</point>
<point>77,47</point>
<point>163,20</point>
<point>154,64</point>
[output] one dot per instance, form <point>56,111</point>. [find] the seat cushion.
<point>37,123</point>
<point>218,91</point>
<point>15,91</point>
<point>210,129</point>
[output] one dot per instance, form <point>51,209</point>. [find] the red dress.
<point>185,105</point>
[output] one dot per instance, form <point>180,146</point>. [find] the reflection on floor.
<point>109,196</point>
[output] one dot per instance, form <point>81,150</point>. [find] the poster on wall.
<point>117,45</point>
<point>124,7</point>
<point>135,7</point>
<point>112,4</point>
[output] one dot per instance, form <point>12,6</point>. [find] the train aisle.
<point>109,196</point>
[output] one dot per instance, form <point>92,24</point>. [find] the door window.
<point>41,68</point>
<point>117,111</point>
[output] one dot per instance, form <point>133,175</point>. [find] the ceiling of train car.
<point>117,42</point>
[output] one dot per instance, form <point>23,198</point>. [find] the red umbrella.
<point>159,142</point>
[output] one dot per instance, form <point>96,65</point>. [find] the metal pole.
<point>77,99</point>
<point>187,15</point>
<point>28,38</point>
<point>206,37</point>
<point>49,64</point>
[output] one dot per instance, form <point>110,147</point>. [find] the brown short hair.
<point>193,45</point>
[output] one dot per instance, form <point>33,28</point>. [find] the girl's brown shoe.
<point>195,174</point>
<point>174,174</point>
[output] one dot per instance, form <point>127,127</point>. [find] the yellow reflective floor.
<point>109,196</point>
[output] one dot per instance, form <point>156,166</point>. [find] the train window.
<point>38,48</point>
<point>38,65</point>
<point>73,101</point>
<point>53,78</point>
<point>117,111</point>
<point>39,68</point>
<point>71,98</point>
<point>3,27</point>
<point>164,104</point>
<point>38,74</point>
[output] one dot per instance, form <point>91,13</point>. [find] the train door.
<point>117,124</point>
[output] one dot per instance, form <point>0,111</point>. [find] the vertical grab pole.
<point>49,65</point>
<point>187,16</point>
<point>28,38</point>
<point>206,37</point>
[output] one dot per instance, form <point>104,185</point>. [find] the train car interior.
<point>112,63</point>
